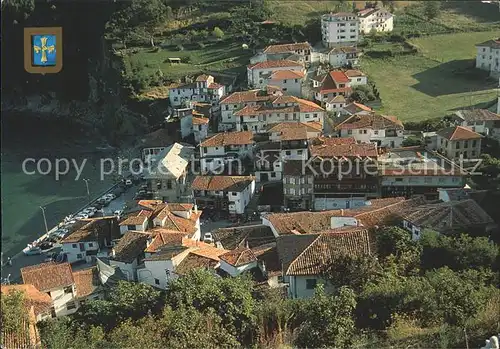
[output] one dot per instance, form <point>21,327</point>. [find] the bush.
<point>218,33</point>
<point>180,47</point>
<point>186,59</point>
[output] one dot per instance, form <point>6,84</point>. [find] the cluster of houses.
<point>342,169</point>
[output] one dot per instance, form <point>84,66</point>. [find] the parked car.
<point>32,250</point>
<point>128,182</point>
<point>111,196</point>
<point>118,213</point>
<point>45,245</point>
<point>208,238</point>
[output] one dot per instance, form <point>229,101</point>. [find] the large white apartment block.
<point>379,20</point>
<point>239,100</point>
<point>386,131</point>
<point>338,29</point>
<point>204,89</point>
<point>231,193</point>
<point>259,73</point>
<point>488,56</point>
<point>280,109</point>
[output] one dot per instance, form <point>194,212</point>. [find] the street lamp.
<point>44,219</point>
<point>87,185</point>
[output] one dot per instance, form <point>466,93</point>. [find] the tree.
<point>352,271</point>
<point>169,14</point>
<point>412,141</point>
<point>432,9</point>
<point>14,314</point>
<point>230,298</point>
<point>135,299</point>
<point>328,320</point>
<point>218,33</point>
<point>392,240</point>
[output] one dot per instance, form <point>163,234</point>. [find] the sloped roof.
<point>229,138</point>
<point>253,235</point>
<point>194,261</point>
<point>95,229</point>
<point>286,74</point>
<point>48,276</point>
<point>373,120</point>
<point>164,237</point>
<point>477,115</point>
<point>376,213</point>
<point>239,257</point>
<point>40,301</point>
<point>203,77</point>
<point>172,161</point>
<point>274,64</point>
<point>268,254</point>
<point>491,43</point>
<point>338,147</point>
<point>222,183</point>
<point>448,215</point>
<point>130,246</point>
<point>246,97</point>
<point>354,108</point>
<point>285,48</point>
<point>200,121</point>
<point>323,249</point>
<point>176,223</point>
<point>137,218</point>
<point>458,133</point>
<point>86,281</point>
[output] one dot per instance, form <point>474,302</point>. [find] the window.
<point>375,132</point>
<point>68,289</point>
<point>292,191</point>
<point>234,194</point>
<point>169,184</point>
<point>284,81</point>
<point>288,152</point>
<point>235,106</point>
<point>91,244</point>
<point>70,305</point>
<point>299,152</point>
<point>457,145</point>
<point>284,89</point>
<point>399,179</point>
<point>466,144</point>
<point>74,245</point>
<point>130,227</point>
<point>474,143</point>
<point>457,154</point>
<point>204,150</point>
<point>79,256</point>
<point>157,282</point>
<point>349,132</point>
<point>296,80</point>
<point>292,180</point>
<point>311,284</point>
<point>473,153</point>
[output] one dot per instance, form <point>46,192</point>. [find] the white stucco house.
<point>238,261</point>
<point>386,131</point>
<point>356,77</point>
<point>375,19</point>
<point>200,128</point>
<point>281,109</point>
<point>329,85</point>
<point>238,100</point>
<point>204,89</point>
<point>56,280</point>
<point>289,81</point>
<point>89,237</point>
<point>228,193</point>
<point>339,29</point>
<point>479,120</point>
<point>224,150</point>
<point>258,74</point>
<point>336,104</point>
<point>137,221</point>
<point>340,57</point>
<point>488,56</point>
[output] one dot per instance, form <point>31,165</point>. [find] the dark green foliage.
<point>431,9</point>
<point>457,252</point>
<point>352,271</point>
<point>328,320</point>
<point>412,142</point>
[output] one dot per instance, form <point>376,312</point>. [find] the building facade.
<point>488,57</point>
<point>339,29</point>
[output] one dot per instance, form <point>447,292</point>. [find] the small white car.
<point>208,238</point>
<point>118,212</point>
<point>111,196</point>
<point>128,182</point>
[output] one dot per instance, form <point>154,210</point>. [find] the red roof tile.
<point>274,64</point>
<point>339,77</point>
<point>86,281</point>
<point>239,257</point>
<point>200,121</point>
<point>48,276</point>
<point>222,183</point>
<point>285,48</point>
<point>40,301</point>
<point>458,133</point>
<point>286,74</point>
<point>372,120</point>
<point>229,138</point>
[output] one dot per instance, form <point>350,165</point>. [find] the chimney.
<point>113,253</point>
<point>149,241</point>
<point>195,208</point>
<point>246,244</point>
<point>342,212</point>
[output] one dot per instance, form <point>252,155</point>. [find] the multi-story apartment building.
<point>345,173</point>
<point>167,175</point>
<point>226,193</point>
<point>386,131</point>
<point>339,29</point>
<point>329,85</point>
<point>488,56</point>
<point>459,142</point>
<point>267,162</point>
<point>377,19</point>
<point>409,171</point>
<point>298,183</point>
<point>239,100</point>
<point>200,128</point>
<point>219,153</point>
<point>277,110</point>
<point>204,89</point>
<point>259,74</point>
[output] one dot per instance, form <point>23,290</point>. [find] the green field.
<point>437,80</point>
<point>215,56</point>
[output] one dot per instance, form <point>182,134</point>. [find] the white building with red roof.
<point>488,56</point>
<point>259,74</point>
<point>204,89</point>
<point>332,84</point>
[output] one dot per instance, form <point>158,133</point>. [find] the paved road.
<point>20,260</point>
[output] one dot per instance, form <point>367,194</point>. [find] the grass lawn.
<point>434,82</point>
<point>217,56</point>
